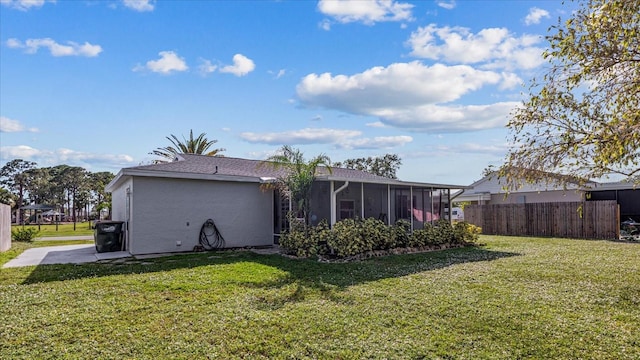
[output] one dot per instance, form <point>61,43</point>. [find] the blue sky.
<point>100,84</point>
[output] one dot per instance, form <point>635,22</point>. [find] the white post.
<point>388,204</point>
<point>362,201</point>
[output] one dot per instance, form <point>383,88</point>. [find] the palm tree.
<point>300,175</point>
<point>200,145</point>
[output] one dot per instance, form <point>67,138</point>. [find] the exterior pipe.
<point>334,194</point>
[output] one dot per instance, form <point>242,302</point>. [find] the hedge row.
<point>351,237</point>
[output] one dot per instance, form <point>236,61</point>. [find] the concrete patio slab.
<point>66,254</point>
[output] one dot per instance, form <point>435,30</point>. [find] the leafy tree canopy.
<point>582,118</point>
<point>300,174</point>
<point>386,165</point>
<point>199,145</point>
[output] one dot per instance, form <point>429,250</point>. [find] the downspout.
<point>334,194</point>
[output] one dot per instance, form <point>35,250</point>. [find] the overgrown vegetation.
<point>26,234</point>
<point>514,298</point>
<point>352,237</point>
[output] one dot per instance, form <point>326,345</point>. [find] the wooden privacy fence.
<point>578,220</point>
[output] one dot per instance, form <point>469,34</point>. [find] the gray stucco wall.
<point>167,214</point>
<point>5,227</point>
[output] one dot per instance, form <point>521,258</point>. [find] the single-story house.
<point>490,191</point>
<point>165,205</point>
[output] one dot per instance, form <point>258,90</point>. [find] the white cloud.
<point>18,152</point>
<point>447,118</point>
<point>325,25</point>
<point>303,136</point>
<point>65,156</point>
<point>278,74</point>
<point>168,63</point>
<point>25,5</point>
<point>140,5</point>
<point>493,47</point>
<point>447,4</point>
<point>367,12</point>
<point>242,65</point>
<point>379,142</point>
<point>31,46</point>
<point>491,149</point>
<point>340,139</point>
<point>377,124</point>
<point>535,15</point>
<point>9,125</point>
<point>399,84</point>
<point>510,81</point>
<point>411,96</point>
<point>206,67</point>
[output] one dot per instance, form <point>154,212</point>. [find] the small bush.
<point>443,232</point>
<point>299,241</point>
<point>400,233</point>
<point>377,234</point>
<point>321,235</point>
<point>347,239</point>
<point>466,233</point>
<point>24,235</point>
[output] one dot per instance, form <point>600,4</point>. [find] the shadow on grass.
<point>310,273</point>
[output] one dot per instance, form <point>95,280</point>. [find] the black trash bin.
<point>108,236</point>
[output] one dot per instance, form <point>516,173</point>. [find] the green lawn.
<point>65,229</point>
<point>511,299</point>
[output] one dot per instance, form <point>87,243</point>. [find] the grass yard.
<point>64,229</point>
<point>511,299</point>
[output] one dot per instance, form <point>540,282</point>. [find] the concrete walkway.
<point>86,253</point>
<point>65,254</point>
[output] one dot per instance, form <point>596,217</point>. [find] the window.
<point>347,209</point>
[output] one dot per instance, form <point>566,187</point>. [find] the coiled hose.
<point>210,236</point>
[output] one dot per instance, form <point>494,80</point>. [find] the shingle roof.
<point>237,169</point>
<point>200,164</point>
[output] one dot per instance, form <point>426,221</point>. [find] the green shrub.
<point>347,239</point>
<point>24,234</point>
<point>298,240</point>
<point>351,237</point>
<point>377,234</point>
<point>443,232</point>
<point>420,237</point>
<point>321,235</point>
<point>466,233</point>
<point>400,233</point>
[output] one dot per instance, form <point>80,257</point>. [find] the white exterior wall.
<point>537,197</point>
<point>531,193</point>
<point>5,227</point>
<point>118,200</point>
<point>167,214</point>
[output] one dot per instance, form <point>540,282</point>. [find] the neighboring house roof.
<point>493,184</point>
<point>189,166</point>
